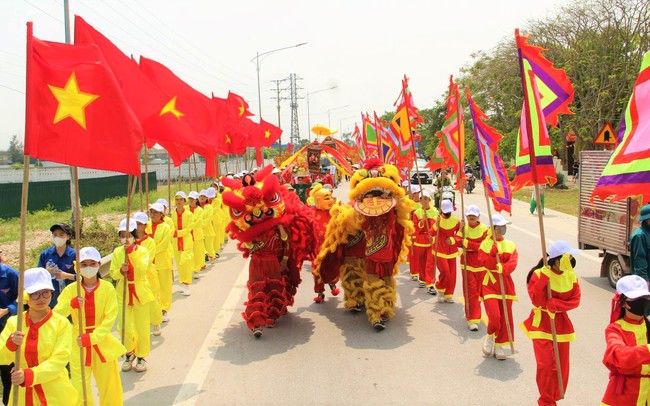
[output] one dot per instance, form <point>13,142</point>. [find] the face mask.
<point>59,241</point>
<point>567,262</point>
<point>639,306</point>
<point>503,230</point>
<point>89,271</point>
<point>128,240</point>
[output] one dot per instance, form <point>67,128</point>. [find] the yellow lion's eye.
<point>382,170</point>
<point>363,173</point>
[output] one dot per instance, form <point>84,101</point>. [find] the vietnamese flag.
<point>161,121</point>
<point>75,112</point>
<point>229,137</point>
<point>194,107</point>
<point>238,105</point>
<point>269,133</point>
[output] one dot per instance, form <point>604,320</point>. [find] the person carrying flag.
<point>446,252</point>
<point>197,233</point>
<point>101,347</point>
<point>159,229</point>
<point>182,241</point>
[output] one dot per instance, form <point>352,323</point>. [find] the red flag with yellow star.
<point>75,112</point>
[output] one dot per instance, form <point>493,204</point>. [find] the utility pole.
<point>295,131</point>
<point>277,98</point>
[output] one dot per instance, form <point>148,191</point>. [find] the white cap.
<point>37,279</point>
<point>157,207</point>
<point>163,202</point>
<point>415,189</point>
<point>212,192</point>
<point>446,206</point>
<point>405,183</point>
<point>89,253</point>
<point>132,225</point>
<point>180,193</point>
<point>559,248</point>
<point>141,217</point>
<point>632,286</point>
<point>498,220</point>
<point>473,210</point>
<point>205,193</point>
<point>276,170</point>
<point>426,193</point>
<point>193,195</point>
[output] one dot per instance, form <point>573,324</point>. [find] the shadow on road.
<point>168,393</point>
<point>491,368</point>
<point>239,347</point>
<point>453,315</point>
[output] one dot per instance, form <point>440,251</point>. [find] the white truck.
<point>605,226</point>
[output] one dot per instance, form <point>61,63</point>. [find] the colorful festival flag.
<point>369,136</point>
<point>356,136</point>
<point>493,171</point>
<point>533,159</point>
<point>400,131</point>
<point>627,173</point>
<point>452,134</point>
<point>75,112</point>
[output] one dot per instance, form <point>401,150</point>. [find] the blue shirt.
<point>65,263</point>
<point>8,292</point>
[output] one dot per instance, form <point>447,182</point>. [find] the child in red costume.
<point>446,251</point>
<point>496,340</point>
<point>628,355</point>
<point>323,202</point>
<point>424,219</point>
<point>470,236</point>
<point>413,192</point>
<point>565,296</point>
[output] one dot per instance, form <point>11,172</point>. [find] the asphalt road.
<point>319,354</point>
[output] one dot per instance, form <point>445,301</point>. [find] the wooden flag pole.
<point>549,294</point>
<point>80,309</point>
<point>533,171</point>
<point>129,200</point>
<point>190,180</point>
<point>169,179</point>
<point>139,183</point>
<point>196,172</point>
<point>504,303</point>
<point>146,177</point>
<point>180,179</point>
<point>21,268</point>
<point>461,145</point>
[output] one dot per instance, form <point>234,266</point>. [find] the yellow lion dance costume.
<point>367,239</point>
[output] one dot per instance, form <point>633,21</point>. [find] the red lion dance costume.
<point>367,240</point>
<point>275,229</point>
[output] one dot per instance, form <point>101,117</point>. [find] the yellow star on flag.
<point>72,102</point>
<point>227,139</point>
<point>242,109</point>
<point>170,107</point>
<point>267,134</point>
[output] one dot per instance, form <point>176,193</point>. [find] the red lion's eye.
<point>275,198</point>
<point>235,213</point>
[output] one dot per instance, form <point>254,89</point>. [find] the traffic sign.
<point>606,135</point>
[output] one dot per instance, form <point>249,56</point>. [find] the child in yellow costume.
<point>383,213</point>
<point>197,233</point>
<point>145,240</point>
<point>131,261</point>
<point>42,376</point>
<point>218,220</point>
<point>100,347</point>
<point>182,241</point>
<point>208,229</point>
<point>161,228</point>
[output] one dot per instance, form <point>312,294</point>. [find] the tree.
<point>15,150</point>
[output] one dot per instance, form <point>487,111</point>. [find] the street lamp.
<point>329,120</point>
<point>257,66</point>
<point>308,115</point>
<point>341,124</point>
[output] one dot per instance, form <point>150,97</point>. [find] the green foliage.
<point>15,150</point>
<point>34,253</point>
<point>101,236</point>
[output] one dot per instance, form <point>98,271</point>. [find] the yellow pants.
<point>199,255</point>
<point>165,280</point>
<point>137,331</point>
<point>107,377</point>
<point>184,264</point>
<point>155,310</point>
<point>219,237</point>
<point>209,245</point>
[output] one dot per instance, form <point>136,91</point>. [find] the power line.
<point>43,11</point>
<point>187,42</point>
<point>11,88</point>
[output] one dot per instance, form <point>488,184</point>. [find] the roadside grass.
<point>43,219</point>
<point>562,200</point>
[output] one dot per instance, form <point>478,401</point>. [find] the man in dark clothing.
<point>640,245</point>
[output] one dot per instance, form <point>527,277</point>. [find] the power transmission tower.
<point>277,98</point>
<point>295,132</point>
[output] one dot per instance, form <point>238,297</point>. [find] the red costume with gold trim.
<point>276,230</point>
<point>323,202</point>
<point>378,214</point>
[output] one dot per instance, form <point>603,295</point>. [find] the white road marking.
<point>187,395</point>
